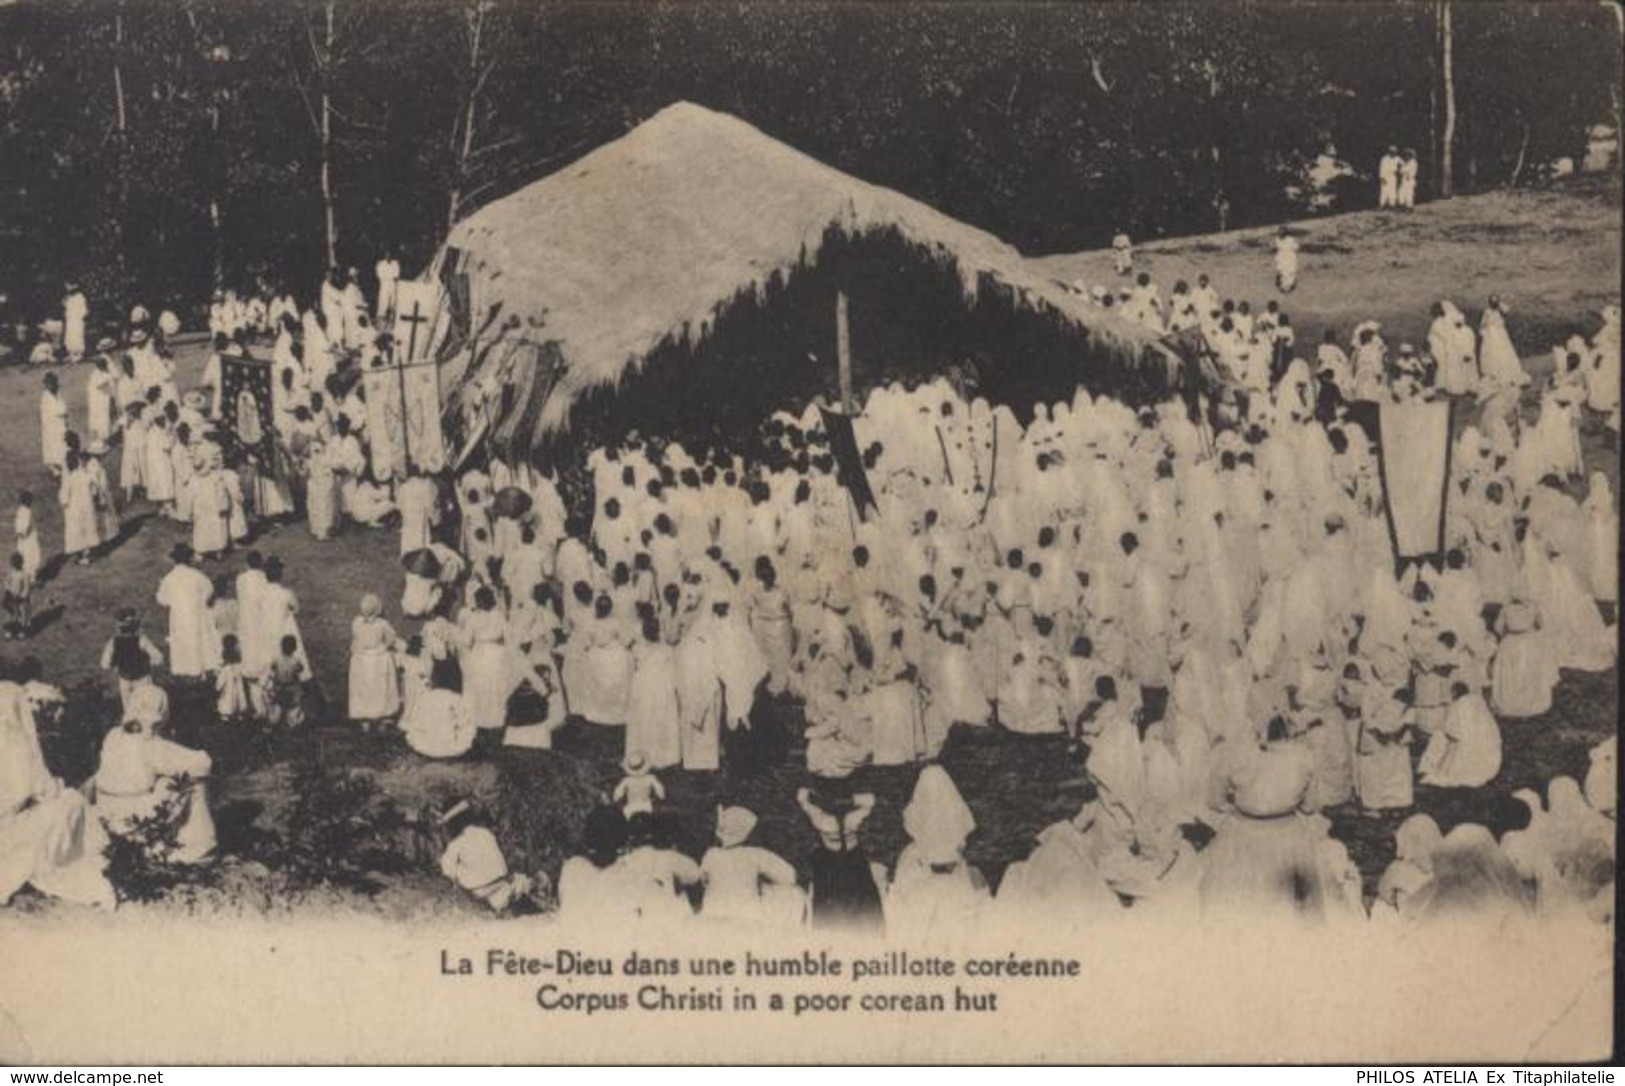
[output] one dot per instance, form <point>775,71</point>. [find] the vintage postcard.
<point>824,533</point>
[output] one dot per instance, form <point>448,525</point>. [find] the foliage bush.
<point>341,831</point>
<point>138,863</point>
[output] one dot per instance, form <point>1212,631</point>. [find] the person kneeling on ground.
<point>473,860</point>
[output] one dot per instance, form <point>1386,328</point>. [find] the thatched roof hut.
<point>630,267</point>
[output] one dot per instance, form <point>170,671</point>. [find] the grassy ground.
<point>1553,254</point>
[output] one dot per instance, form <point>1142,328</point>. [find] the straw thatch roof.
<point>649,239</point>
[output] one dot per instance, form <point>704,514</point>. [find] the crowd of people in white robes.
<point>1043,575</point>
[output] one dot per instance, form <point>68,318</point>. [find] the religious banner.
<point>459,315</point>
<point>843,443</point>
<point>403,417</point>
<point>1414,457</point>
<point>418,309</point>
<point>245,408</point>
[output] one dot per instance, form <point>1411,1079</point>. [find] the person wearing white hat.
<point>745,883</point>
<point>640,788</point>
<point>473,860</point>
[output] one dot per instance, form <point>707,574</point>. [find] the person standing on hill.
<point>1122,254</point>
<point>1407,179</point>
<point>1388,178</point>
<point>1286,261</point>
<point>388,270</point>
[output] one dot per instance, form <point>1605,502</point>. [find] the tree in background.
<point>177,147</point>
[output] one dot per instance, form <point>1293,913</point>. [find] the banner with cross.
<point>403,390</point>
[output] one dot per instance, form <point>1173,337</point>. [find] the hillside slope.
<point>1552,254</point>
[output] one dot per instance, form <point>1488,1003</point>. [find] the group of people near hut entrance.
<point>1057,574</point>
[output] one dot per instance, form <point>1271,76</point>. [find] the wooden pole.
<point>843,348</point>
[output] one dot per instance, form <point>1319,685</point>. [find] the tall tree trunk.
<point>329,213</point>
<point>214,203</point>
<point>459,168</point>
<point>121,146</point>
<point>1523,151</point>
<point>1447,138</point>
<point>463,141</point>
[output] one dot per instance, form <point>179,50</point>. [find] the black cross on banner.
<point>413,319</point>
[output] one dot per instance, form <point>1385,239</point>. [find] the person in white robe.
<point>100,394</point>
<point>53,421</point>
<point>1388,179</point>
<point>487,679</point>
<point>47,838</point>
<point>933,889</point>
<point>80,504</point>
<point>1465,751</point>
<point>358,331</point>
<point>321,490</point>
<point>375,690</point>
<point>1498,365</point>
<point>26,533</point>
<point>438,723</point>
<point>388,272</point>
<point>210,505</point>
<point>1265,856</point>
<point>75,309</point>
<point>418,499</point>
<point>1408,167</point>
<point>746,884</point>
<point>1060,881</point>
<point>1602,374</point>
<point>1454,350</point>
<point>1579,637</point>
<point>473,860</point>
<point>655,878</point>
<point>158,473</point>
<point>1601,556</point>
<point>1286,261</point>
<point>1525,669</point>
<point>185,591</point>
<point>142,775</point>
<point>653,724</point>
<point>278,611</point>
<point>331,302</point>
<point>1415,842</point>
<point>700,697</point>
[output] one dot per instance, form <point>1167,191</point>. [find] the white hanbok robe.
<point>137,777</point>
<point>46,839</point>
<point>53,423</point>
<point>80,525</point>
<point>185,591</point>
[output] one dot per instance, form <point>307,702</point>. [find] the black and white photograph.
<point>808,532</point>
